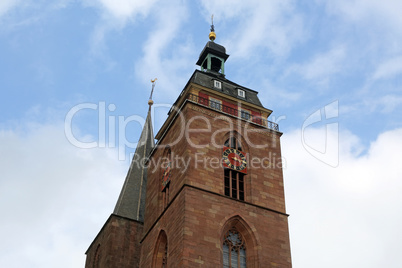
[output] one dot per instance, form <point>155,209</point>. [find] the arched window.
<point>234,250</point>
<point>239,245</point>
<point>234,174</point>
<point>161,252</point>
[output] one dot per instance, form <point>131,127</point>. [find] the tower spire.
<point>131,202</point>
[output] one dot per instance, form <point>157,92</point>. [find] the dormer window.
<point>241,93</point>
<point>217,84</point>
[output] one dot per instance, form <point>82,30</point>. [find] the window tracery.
<point>234,250</point>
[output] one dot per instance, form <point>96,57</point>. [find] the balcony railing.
<point>234,112</point>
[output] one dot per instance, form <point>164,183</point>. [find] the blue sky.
<point>342,175</point>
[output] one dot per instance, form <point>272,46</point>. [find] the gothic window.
<point>161,252</point>
<point>233,179</point>
<point>164,258</point>
<point>234,250</point>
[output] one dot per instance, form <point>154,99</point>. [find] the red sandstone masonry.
<point>195,219</point>
<point>198,213</point>
<point>119,244</point>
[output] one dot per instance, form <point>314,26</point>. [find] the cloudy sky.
<point>75,80</point>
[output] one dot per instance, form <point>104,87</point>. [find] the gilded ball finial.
<point>212,36</point>
<point>150,102</point>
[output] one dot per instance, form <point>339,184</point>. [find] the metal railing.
<point>234,112</point>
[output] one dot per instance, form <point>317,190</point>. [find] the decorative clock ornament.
<point>234,159</point>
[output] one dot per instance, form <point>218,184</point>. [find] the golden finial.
<point>150,102</point>
<point>212,34</point>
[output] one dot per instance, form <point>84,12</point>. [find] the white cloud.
<point>125,9</point>
<point>370,11</point>
<point>380,104</point>
<point>277,94</point>
<point>345,216</point>
<point>29,12</point>
<point>6,5</point>
<point>162,57</point>
<point>371,35</point>
<point>321,68</point>
<point>54,197</point>
<point>384,104</point>
<point>323,65</point>
<point>389,68</point>
<point>121,10</point>
<point>115,15</point>
<point>372,27</point>
<point>390,103</point>
<point>272,25</point>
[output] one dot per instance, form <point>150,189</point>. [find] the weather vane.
<point>150,102</point>
<point>212,34</point>
<point>212,23</point>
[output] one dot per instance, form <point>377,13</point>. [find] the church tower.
<point>213,184</point>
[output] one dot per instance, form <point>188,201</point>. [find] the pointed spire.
<point>131,202</point>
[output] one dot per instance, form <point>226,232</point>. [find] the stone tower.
<point>214,184</point>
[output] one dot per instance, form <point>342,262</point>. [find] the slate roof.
<point>131,202</point>
<point>206,79</point>
<point>213,48</point>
